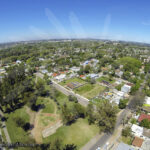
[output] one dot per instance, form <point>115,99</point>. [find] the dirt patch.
<point>46,122</point>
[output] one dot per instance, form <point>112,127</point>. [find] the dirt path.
<point>36,132</point>
<point>35,119</point>
<point>31,114</point>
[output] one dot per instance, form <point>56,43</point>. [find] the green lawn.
<point>127,140</point>
<point>106,79</point>
<point>89,91</point>
<point>96,101</point>
<point>147,105</point>
<point>17,134</point>
<point>79,133</point>
<point>49,104</point>
<point>72,80</point>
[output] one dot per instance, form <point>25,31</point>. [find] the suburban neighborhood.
<point>93,95</point>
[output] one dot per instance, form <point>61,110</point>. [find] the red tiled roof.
<point>54,74</point>
<point>143,116</point>
<point>137,142</point>
<point>81,76</point>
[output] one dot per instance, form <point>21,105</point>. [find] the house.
<point>146,145</point>
<point>75,69</point>
<point>18,62</point>
<point>147,100</point>
<point>61,77</point>
<point>83,76</point>
<point>146,133</point>
<point>2,71</point>
<point>41,59</point>
<point>137,142</point>
<point>126,88</point>
<point>93,76</point>
<point>143,116</point>
<point>44,71</point>
<point>118,95</point>
<point>49,74</point>
<point>119,73</point>
<point>137,130</point>
<point>123,146</point>
<point>86,63</point>
<point>54,74</point>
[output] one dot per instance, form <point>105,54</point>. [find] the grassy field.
<point>63,83</point>
<point>48,103</point>
<point>17,134</point>
<point>127,140</point>
<point>78,133</point>
<point>96,101</point>
<point>89,91</point>
<point>106,79</point>
<point>147,105</point>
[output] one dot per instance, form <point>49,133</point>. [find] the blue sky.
<point>42,19</point>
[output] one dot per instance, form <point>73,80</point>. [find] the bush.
<point>145,123</point>
<point>123,103</point>
<point>72,98</point>
<point>126,132</point>
<point>133,121</point>
<point>19,122</point>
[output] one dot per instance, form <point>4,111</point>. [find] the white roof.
<point>147,100</point>
<point>75,69</point>
<point>93,75</point>
<point>126,88</point>
<point>137,130</point>
<point>119,93</point>
<point>62,76</point>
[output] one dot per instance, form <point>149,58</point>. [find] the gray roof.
<point>123,146</point>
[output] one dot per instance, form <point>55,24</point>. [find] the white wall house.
<point>60,77</point>
<point>137,130</point>
<point>147,100</point>
<point>126,88</point>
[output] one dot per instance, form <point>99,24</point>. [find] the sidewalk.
<point>92,142</point>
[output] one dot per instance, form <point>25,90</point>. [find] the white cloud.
<point>106,25</point>
<point>146,23</point>
<point>76,26</point>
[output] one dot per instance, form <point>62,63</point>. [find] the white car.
<point>98,148</point>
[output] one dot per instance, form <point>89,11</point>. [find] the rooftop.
<point>123,146</point>
<point>137,142</point>
<point>144,116</point>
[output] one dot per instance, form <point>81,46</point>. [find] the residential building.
<point>143,116</point>
<point>60,77</point>
<point>126,88</point>
<point>93,76</point>
<point>137,130</point>
<point>147,100</point>
<point>146,145</point>
<point>119,73</point>
<point>137,142</point>
<point>123,146</point>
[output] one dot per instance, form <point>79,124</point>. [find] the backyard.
<point>90,90</point>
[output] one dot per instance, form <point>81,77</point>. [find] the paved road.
<point>82,100</point>
<point>101,141</point>
<point>5,130</point>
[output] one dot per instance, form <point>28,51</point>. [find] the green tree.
<point>90,113</point>
<point>145,123</point>
<point>123,103</point>
<point>126,132</point>
<point>106,116</point>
